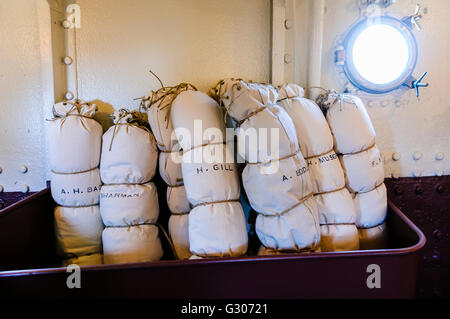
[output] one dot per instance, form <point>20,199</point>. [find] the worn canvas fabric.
<point>334,203</point>
<point>128,205</point>
<point>210,181</point>
<point>129,155</point>
<point>193,109</point>
<point>74,141</point>
<point>278,185</point>
<point>218,230</point>
<point>170,168</point>
<point>179,233</point>
<point>87,260</point>
<point>373,238</point>
<point>131,244</point>
<point>350,123</point>
<point>272,193</point>
<point>217,225</point>
<point>77,189</point>
<point>362,163</point>
<point>177,200</point>
<point>371,207</point>
<point>159,105</point>
<point>274,132</point>
<point>313,133</point>
<point>78,231</point>
<point>296,229</point>
<point>364,170</point>
<point>74,138</point>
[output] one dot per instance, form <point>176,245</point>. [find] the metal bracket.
<point>412,20</point>
<point>414,84</point>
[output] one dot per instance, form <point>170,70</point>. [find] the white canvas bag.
<point>197,116</point>
<point>76,189</point>
<point>131,244</point>
<point>271,193</point>
<point>218,230</point>
<point>129,153</point>
<point>74,138</point>
<point>179,233</point>
<point>87,260</point>
<point>373,238</point>
<point>371,207</point>
<point>210,182</point>
<point>350,123</point>
<point>177,200</point>
<point>129,205</point>
<point>296,229</point>
<point>313,133</point>
<point>217,226</point>
<point>170,168</point>
<point>78,230</point>
<point>363,170</point>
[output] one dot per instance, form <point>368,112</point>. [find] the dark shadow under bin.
<point>28,267</point>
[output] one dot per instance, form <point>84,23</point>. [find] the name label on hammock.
<point>215,167</point>
<point>120,195</point>
<point>80,190</point>
<point>298,173</point>
<point>323,159</point>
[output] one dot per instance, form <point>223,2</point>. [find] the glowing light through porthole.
<point>380,54</point>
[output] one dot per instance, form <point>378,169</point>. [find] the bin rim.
<point>229,260</point>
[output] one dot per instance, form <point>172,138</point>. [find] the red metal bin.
<point>28,267</point>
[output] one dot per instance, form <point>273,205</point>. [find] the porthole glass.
<point>380,54</point>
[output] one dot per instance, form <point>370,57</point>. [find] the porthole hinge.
<point>339,55</point>
<point>412,20</point>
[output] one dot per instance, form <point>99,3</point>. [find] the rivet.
<point>418,189</point>
<point>23,169</point>
<point>66,24</point>
<point>67,60</point>
<point>398,190</point>
<point>395,175</point>
<point>288,24</point>
<point>437,234</point>
<point>396,156</point>
<point>384,103</point>
<point>397,103</point>
<point>439,172</point>
<point>417,172</point>
<point>287,58</point>
<point>439,156</point>
<point>370,103</point>
<point>417,155</point>
<point>440,188</point>
<point>69,95</point>
<point>24,188</point>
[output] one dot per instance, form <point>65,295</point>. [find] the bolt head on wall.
<point>23,169</point>
<point>288,24</point>
<point>417,172</point>
<point>69,96</point>
<point>396,156</point>
<point>439,156</point>
<point>67,60</point>
<point>65,24</point>
<point>287,58</point>
<point>1,188</point>
<point>417,155</point>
